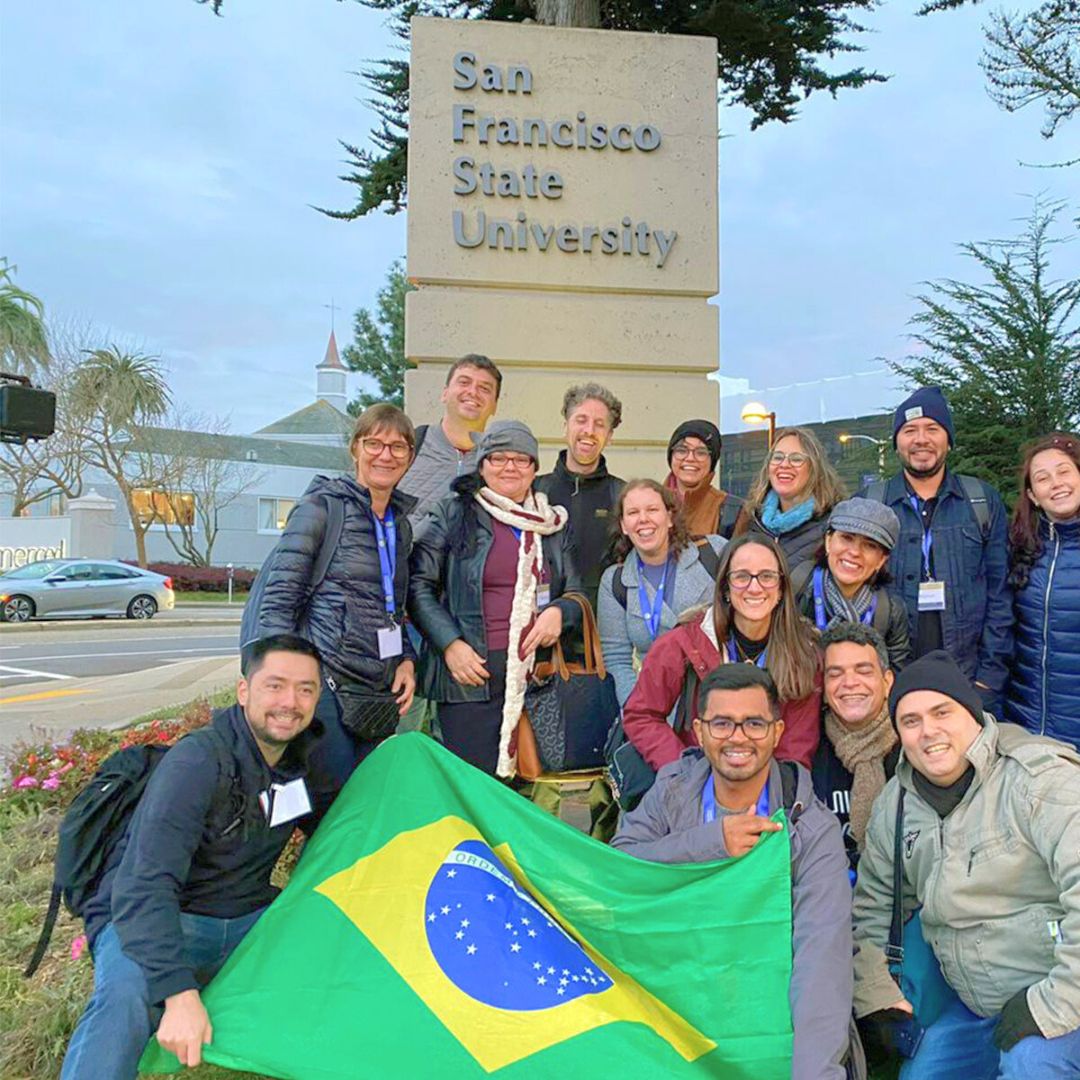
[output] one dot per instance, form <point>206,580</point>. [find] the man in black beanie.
<point>989,841</point>
<point>950,566</point>
<point>693,454</point>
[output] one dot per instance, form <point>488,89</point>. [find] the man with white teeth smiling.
<point>716,802</point>
<point>950,565</point>
<point>988,838</point>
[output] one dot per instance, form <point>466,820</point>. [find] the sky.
<point>159,166</point>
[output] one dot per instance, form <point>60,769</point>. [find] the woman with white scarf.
<point>489,564</point>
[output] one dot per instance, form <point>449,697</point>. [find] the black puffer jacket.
<point>446,585</point>
<point>798,545</point>
<point>346,611</point>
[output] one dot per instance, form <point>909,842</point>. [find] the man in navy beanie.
<point>989,845</point>
<point>950,566</point>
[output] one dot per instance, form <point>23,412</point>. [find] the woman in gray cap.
<point>489,564</point>
<point>847,580</point>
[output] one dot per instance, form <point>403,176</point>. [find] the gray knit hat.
<point>869,518</point>
<point>506,435</point>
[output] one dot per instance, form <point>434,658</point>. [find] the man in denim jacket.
<point>950,566</point>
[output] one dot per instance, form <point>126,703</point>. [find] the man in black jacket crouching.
<point>192,875</point>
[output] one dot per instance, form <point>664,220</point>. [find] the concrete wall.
<point>24,540</point>
<point>547,311</point>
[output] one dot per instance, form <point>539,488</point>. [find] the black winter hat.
<point>938,671</point>
<point>707,432</point>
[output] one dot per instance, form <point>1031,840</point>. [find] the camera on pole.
<point>26,412</point>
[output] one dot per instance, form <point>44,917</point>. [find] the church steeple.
<point>330,377</point>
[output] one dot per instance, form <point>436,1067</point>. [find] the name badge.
<point>285,802</point>
<point>932,596</point>
<point>543,595</point>
<point>389,638</point>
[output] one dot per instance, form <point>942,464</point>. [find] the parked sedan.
<point>67,588</point>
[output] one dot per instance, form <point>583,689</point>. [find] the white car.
<point>69,588</point>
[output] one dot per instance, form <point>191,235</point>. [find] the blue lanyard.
<point>651,612</point>
<point>733,653</point>
<point>708,801</point>
<point>821,619</point>
<point>927,537</point>
<point>386,535</point>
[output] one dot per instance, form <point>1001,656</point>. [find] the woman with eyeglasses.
<point>659,573</point>
<point>848,580</point>
<point>489,564</point>
<point>693,454</point>
<point>752,619</point>
<point>354,613</point>
<point>792,496</point>
<point>1044,687</point>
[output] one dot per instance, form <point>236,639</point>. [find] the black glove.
<point>1015,1022</point>
<point>878,1031</point>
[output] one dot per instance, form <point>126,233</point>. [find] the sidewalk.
<point>110,701</point>
<point>164,621</point>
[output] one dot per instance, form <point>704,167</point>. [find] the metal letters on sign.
<point>519,232</point>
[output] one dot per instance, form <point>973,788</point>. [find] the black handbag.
<point>570,706</point>
<point>367,714</point>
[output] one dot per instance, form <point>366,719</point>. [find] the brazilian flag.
<point>440,925</point>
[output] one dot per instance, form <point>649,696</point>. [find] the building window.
<point>272,514</point>
<point>164,507</point>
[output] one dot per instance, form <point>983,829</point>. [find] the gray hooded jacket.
<point>666,827</point>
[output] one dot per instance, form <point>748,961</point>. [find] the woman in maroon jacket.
<point>753,619</point>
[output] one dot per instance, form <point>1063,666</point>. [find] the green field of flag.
<point>439,924</point>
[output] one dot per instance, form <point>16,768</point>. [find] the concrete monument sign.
<point>563,220</point>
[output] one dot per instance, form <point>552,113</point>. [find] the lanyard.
<point>733,653</point>
<point>653,612</point>
<point>386,535</point>
<point>821,619</point>
<point>927,538</point>
<point>708,801</point>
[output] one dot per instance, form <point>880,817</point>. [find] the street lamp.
<point>881,444</point>
<point>753,412</point>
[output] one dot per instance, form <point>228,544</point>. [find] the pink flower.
<point>51,782</point>
<point>77,947</point>
<point>26,782</point>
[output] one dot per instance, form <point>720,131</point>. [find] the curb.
<point>48,625</point>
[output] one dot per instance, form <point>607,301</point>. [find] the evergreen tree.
<point>378,346</point>
<point>1006,351</point>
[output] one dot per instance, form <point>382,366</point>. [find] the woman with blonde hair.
<point>753,618</point>
<point>792,495</point>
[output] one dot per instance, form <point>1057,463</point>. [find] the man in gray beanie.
<point>989,840</point>
<point>950,565</point>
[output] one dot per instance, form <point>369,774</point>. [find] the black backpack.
<point>335,525</point>
<point>706,556</point>
<point>94,825</point>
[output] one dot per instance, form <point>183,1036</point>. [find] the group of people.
<point>849,660</point>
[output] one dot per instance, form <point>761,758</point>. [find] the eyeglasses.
<point>399,451</point>
<point>754,728</point>
<point>778,457</point>
<point>698,453</point>
<point>740,579</point>
<point>501,460</point>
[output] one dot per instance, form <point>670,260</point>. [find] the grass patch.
<point>201,597</point>
<point>38,1015</point>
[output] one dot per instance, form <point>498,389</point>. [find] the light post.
<point>753,412</point>
<point>881,444</point>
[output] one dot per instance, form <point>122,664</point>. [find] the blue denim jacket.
<point>976,625</point>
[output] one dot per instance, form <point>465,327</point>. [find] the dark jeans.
<point>471,729</point>
<point>334,758</point>
<point>120,1018</point>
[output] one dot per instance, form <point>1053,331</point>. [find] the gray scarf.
<point>842,609</point>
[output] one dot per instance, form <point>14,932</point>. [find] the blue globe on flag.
<point>495,942</point>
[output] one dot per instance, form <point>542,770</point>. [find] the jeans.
<point>120,1018</point>
<point>959,1046</point>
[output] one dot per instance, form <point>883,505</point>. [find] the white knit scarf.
<point>535,518</point>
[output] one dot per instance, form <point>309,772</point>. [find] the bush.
<point>204,578</point>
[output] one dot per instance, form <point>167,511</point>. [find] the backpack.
<point>94,825</point>
<point>973,492</point>
<point>335,525</point>
<point>421,435</point>
<point>706,556</point>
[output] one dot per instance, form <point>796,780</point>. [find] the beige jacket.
<point>998,881</point>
